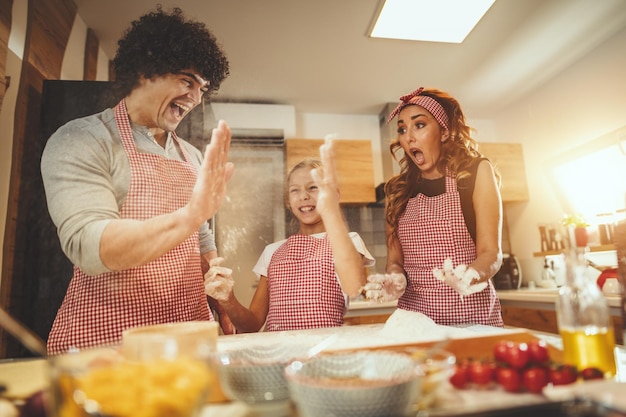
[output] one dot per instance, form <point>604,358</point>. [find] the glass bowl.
<point>102,382</point>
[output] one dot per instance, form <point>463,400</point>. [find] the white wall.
<point>586,101</point>
<point>257,116</point>
<point>73,65</point>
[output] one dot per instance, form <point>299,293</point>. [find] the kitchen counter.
<point>545,297</point>
<point>363,308</point>
<point>538,298</point>
<point>25,375</point>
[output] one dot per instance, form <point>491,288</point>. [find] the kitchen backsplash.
<point>369,222</point>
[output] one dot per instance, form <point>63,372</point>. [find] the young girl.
<point>444,217</point>
<point>305,280</point>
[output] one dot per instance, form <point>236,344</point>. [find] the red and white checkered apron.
<point>430,230</point>
<point>302,286</point>
<point>96,309</point>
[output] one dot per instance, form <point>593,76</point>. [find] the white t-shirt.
<point>264,261</point>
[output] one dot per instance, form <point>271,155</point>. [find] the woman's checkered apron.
<point>302,285</point>
<point>430,230</point>
<point>96,309</point>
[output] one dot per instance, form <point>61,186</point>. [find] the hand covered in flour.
<point>384,287</point>
<point>218,281</point>
<point>464,280</point>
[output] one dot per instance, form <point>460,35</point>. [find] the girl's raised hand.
<point>326,179</point>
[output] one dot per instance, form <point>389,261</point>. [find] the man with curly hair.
<point>130,199</point>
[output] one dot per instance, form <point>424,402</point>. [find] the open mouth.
<point>418,156</point>
<point>179,109</point>
<point>306,209</point>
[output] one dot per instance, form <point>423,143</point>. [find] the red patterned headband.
<point>426,102</point>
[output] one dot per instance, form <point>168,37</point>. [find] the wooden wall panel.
<point>49,24</point>
<point>6,8</point>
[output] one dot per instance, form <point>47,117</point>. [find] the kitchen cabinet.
<point>508,158</point>
<point>536,310</point>
<point>353,163</point>
<point>545,320</point>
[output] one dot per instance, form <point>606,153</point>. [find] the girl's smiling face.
<point>302,195</point>
<point>421,138</point>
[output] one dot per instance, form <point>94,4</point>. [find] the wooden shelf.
<point>597,248</point>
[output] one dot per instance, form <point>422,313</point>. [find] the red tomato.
<point>563,374</point>
<point>509,378</point>
<point>460,376</point>
<point>500,349</point>
<point>517,355</point>
<point>538,351</point>
<point>481,373</point>
<point>591,373</point>
<point>535,378</point>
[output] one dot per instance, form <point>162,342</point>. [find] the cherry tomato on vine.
<point>509,378</point>
<point>538,351</point>
<point>563,374</point>
<point>517,355</point>
<point>460,377</point>
<point>591,373</point>
<point>481,373</point>
<point>500,349</point>
<point>535,378</point>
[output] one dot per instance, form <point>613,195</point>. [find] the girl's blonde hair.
<point>308,163</point>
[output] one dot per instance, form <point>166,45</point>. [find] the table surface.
<point>23,377</point>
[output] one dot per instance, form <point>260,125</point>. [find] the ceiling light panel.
<point>429,20</point>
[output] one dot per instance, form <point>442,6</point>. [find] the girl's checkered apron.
<point>302,285</point>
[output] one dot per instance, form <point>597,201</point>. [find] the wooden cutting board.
<point>480,347</point>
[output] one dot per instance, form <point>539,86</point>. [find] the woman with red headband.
<point>444,217</point>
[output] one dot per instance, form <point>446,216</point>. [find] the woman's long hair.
<point>457,153</point>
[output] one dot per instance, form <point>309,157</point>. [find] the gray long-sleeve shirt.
<point>86,176</point>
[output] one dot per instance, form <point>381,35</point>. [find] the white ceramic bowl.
<point>356,384</point>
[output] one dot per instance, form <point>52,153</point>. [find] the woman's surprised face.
<point>421,138</point>
<point>302,192</point>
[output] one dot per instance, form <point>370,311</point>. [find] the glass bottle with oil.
<point>584,319</point>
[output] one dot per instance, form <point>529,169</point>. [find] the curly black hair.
<point>160,43</point>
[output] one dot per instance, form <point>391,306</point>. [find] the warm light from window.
<point>595,183</point>
<point>429,20</point>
